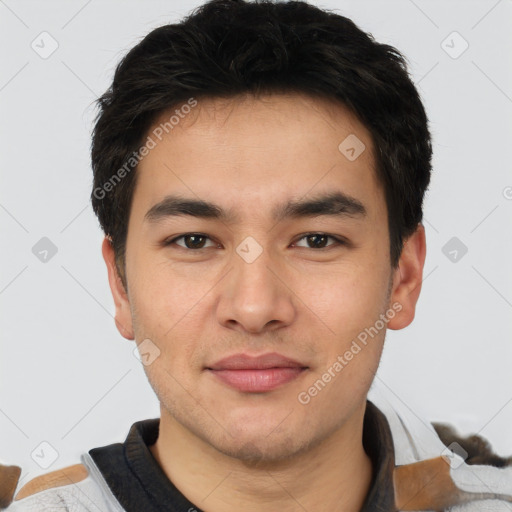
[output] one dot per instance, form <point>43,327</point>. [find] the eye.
<point>319,240</point>
<point>196,241</point>
<point>190,241</point>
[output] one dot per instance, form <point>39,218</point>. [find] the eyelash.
<point>338,241</point>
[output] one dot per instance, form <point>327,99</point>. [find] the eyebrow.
<point>336,204</point>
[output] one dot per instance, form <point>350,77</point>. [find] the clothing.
<point>126,477</point>
<point>142,485</point>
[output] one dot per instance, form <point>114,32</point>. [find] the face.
<point>288,255</point>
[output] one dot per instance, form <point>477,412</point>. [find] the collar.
<point>139,483</point>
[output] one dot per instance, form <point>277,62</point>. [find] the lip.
<point>256,374</point>
<point>262,362</point>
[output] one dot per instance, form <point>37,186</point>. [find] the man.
<point>259,173</point>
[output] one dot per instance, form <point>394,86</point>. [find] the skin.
<point>224,449</point>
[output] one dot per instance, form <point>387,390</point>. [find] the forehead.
<point>236,150</point>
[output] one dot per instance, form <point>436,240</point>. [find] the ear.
<point>123,316</point>
<point>407,278</point>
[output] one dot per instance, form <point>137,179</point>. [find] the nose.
<point>255,296</point>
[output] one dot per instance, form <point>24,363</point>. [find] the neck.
<point>337,473</point>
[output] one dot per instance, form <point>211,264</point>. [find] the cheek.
<point>347,299</point>
<point>161,294</point>
<point>165,309</point>
<point>352,344</point>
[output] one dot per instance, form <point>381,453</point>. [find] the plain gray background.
<point>67,376</point>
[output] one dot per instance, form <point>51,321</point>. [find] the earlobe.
<point>123,317</point>
<point>407,278</point>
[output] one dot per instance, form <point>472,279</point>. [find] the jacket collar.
<point>139,483</point>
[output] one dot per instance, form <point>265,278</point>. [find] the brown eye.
<point>319,240</point>
<point>190,241</point>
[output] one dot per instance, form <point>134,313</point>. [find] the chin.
<point>262,452</point>
<point>259,445</point>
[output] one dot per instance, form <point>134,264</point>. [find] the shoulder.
<point>57,490</point>
<point>464,476</point>
<point>61,477</point>
<point>438,469</point>
<point>78,488</point>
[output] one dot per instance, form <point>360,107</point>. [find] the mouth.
<point>256,374</point>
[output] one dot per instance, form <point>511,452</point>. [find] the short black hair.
<point>226,48</point>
